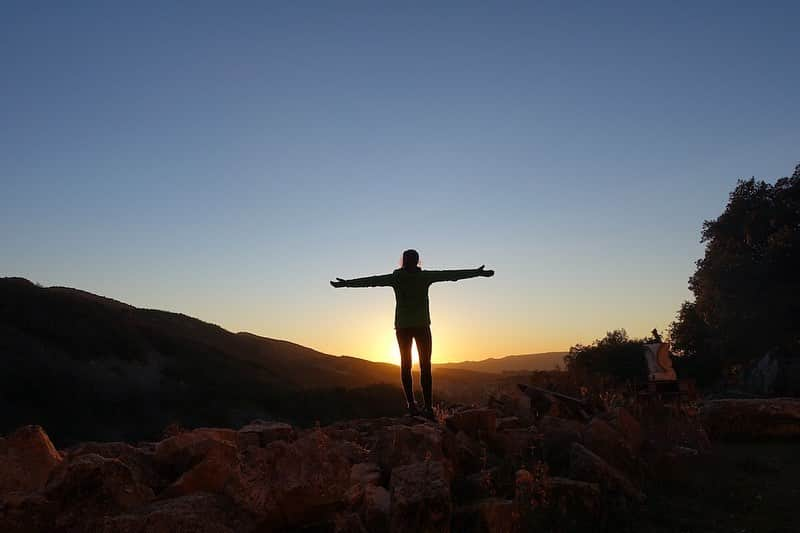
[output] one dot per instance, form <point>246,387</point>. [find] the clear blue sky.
<point>226,161</point>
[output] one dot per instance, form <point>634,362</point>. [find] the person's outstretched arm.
<point>455,275</point>
<point>370,281</point>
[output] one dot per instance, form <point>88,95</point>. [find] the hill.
<point>90,367</point>
<point>511,363</point>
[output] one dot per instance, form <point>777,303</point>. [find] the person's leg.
<point>404,340</point>
<point>424,349</point>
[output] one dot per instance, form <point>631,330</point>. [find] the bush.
<point>615,356</point>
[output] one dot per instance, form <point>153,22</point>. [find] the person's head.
<point>410,260</point>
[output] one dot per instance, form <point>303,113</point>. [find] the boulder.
<point>398,445</point>
<point>589,467</point>
<point>508,422</point>
<point>177,454</point>
<point>286,485</point>
<point>27,513</point>
<point>347,523</point>
<point>516,443</point>
<point>601,438</point>
<point>195,513</point>
<point>469,454</point>
<point>490,515</point>
<point>93,486</point>
<point>544,402</point>
<point>558,434</point>
<point>576,506</point>
<point>261,433</point>
<point>752,418</point>
<point>420,498</point>
<point>210,475</point>
<point>362,475</point>
<point>477,423</point>
<point>27,457</point>
<point>365,474</point>
<point>511,401</point>
<point>625,423</point>
<point>497,515</point>
<point>376,508</point>
<point>775,374</point>
<point>139,459</point>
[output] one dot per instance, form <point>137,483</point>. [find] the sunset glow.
<point>231,178</point>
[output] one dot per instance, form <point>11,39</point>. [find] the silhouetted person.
<point>412,317</point>
<point>656,335</point>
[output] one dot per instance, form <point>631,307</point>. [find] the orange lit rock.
<point>27,457</point>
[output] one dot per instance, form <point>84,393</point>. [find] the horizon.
<point>226,163</point>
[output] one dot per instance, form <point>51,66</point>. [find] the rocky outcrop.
<point>200,513</point>
<point>261,433</point>
<point>752,419</point>
<point>477,472</point>
<point>477,423</point>
<point>420,498</point>
<point>558,434</point>
<point>27,457</point>
<point>587,466</point>
<point>577,506</point>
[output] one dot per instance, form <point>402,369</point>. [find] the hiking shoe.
<point>412,409</point>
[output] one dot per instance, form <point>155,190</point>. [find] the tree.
<point>615,356</point>
<point>747,284</point>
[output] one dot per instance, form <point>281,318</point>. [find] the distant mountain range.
<point>511,363</point>
<point>89,367</point>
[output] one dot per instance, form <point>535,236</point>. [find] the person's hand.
<point>485,273</point>
<point>338,283</point>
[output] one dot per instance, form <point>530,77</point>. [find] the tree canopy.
<point>747,284</point>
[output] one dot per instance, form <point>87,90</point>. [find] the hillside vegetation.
<point>89,367</point>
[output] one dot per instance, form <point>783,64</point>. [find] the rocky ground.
<point>530,462</point>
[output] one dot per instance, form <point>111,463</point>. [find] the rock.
<point>376,508</point>
<point>517,443</point>
<point>261,433</point>
<point>398,445</point>
<point>576,506</point>
<point>362,475</point>
<point>139,459</point>
<point>348,523</point>
<point>27,457</point>
<point>547,403</point>
<point>477,423</point>
<point>512,402</point>
<point>608,443</point>
<point>285,485</point>
<point>775,374</point>
<point>420,498</point>
<point>491,515</point>
<point>365,474</point>
<point>211,474</point>
<point>497,515</point>
<point>195,513</point>
<point>752,418</point>
<point>176,455</point>
<point>630,428</point>
<point>475,486</point>
<point>469,454</point>
<point>558,434</point>
<point>93,486</point>
<point>27,514</point>
<point>508,422</point>
<point>589,467</point>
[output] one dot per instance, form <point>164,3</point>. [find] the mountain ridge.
<point>91,367</point>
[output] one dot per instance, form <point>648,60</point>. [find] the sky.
<point>226,160</point>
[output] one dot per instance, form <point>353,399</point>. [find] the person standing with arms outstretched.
<point>412,317</point>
